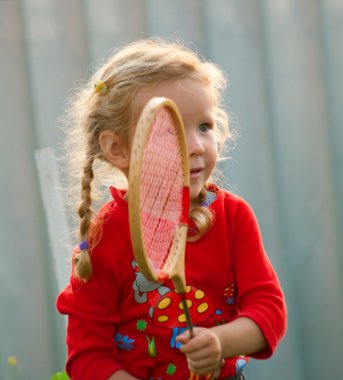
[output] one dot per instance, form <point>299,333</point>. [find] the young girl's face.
<point>195,104</point>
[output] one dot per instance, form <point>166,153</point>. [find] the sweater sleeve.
<point>260,296</point>
<point>92,318</point>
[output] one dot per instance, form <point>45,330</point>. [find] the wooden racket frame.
<point>174,266</point>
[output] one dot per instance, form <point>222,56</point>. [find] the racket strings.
<point>161,189</point>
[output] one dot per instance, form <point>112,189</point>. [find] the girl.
<point>121,326</point>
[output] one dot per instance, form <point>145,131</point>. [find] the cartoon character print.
<point>166,309</point>
<point>142,287</point>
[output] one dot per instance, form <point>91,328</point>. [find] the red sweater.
<point>119,320</point>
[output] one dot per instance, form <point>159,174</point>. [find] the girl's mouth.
<point>195,173</point>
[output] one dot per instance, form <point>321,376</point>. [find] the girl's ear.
<point>115,150</point>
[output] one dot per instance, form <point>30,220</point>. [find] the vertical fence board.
<point>251,171</point>
<point>117,23</point>
<point>24,313</point>
<point>56,55</point>
<point>58,228</point>
<point>181,20</point>
<point>305,181</point>
<point>331,15</point>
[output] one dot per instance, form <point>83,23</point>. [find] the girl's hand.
<point>203,351</point>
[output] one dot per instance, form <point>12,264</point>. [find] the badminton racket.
<point>159,196</point>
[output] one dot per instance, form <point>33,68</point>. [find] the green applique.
<point>171,369</point>
<point>151,346</point>
<point>141,325</point>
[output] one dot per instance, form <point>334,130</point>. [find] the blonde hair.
<point>139,65</point>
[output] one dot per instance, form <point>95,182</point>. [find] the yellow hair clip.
<point>100,87</point>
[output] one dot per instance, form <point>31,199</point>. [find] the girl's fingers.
<point>183,338</point>
<point>203,351</point>
<point>201,364</point>
<point>202,338</point>
<point>195,351</point>
<point>201,370</point>
<point>202,354</point>
<point>204,365</point>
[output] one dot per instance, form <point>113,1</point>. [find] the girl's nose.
<point>195,146</point>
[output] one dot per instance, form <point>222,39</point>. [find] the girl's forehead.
<point>190,95</point>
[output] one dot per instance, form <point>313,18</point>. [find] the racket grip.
<point>193,376</point>
<point>188,317</point>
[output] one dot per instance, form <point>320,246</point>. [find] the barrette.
<point>100,87</point>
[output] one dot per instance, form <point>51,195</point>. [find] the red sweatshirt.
<point>119,320</point>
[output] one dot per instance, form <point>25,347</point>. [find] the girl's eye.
<point>204,127</point>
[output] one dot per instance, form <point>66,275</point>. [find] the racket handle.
<point>188,317</point>
<point>193,376</point>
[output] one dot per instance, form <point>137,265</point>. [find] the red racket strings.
<point>161,189</point>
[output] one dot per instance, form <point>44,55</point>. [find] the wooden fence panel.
<point>24,312</point>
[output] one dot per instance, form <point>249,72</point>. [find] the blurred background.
<point>284,59</point>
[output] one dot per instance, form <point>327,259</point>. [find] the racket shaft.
<point>188,317</point>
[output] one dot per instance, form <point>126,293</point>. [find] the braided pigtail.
<point>202,217</point>
<point>82,261</point>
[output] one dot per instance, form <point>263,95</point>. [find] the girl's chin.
<point>195,190</point>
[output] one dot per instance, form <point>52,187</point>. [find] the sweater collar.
<point>118,195</point>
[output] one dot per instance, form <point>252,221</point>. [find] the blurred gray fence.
<point>284,59</point>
